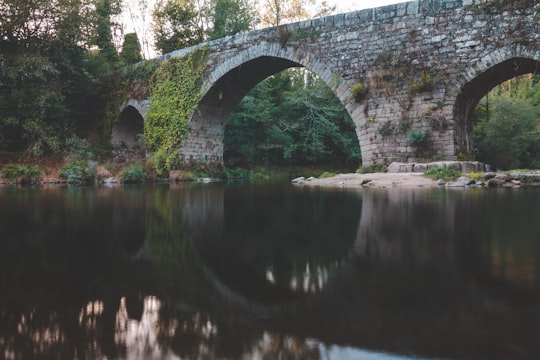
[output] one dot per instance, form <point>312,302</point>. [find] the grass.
<point>444,173</point>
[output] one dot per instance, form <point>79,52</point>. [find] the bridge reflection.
<point>208,274</point>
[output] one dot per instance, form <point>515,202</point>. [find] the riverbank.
<point>374,180</point>
<point>467,174</point>
<point>511,179</point>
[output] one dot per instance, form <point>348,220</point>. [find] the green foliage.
<point>417,138</point>
<point>359,91</point>
<point>79,171</point>
<point>373,168</point>
<point>230,17</point>
<point>78,149</point>
<point>134,173</point>
<point>290,118</point>
<point>105,9</point>
<point>131,50</point>
<point>444,173</point>
<point>425,83</point>
<point>23,172</point>
<point>327,174</point>
<point>176,92</point>
<point>46,87</point>
<point>176,25</point>
<point>475,175</point>
<point>509,135</point>
<point>387,129</point>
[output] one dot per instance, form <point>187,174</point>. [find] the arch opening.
<point>230,93</point>
<point>126,133</point>
<point>475,90</point>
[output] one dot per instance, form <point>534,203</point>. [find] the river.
<point>236,271</point>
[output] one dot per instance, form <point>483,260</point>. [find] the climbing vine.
<point>175,89</point>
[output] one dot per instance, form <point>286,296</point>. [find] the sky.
<point>350,5</point>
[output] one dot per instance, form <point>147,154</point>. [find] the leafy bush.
<point>373,168</point>
<point>425,83</point>
<point>359,91</point>
<point>25,173</point>
<point>79,171</point>
<point>444,173</point>
<point>78,149</point>
<point>134,174</point>
<point>417,138</point>
<point>327,174</point>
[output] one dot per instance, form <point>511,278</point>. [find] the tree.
<point>105,10</point>
<point>131,50</point>
<point>230,17</point>
<point>45,81</point>
<point>176,25</point>
<point>291,117</point>
<point>285,11</point>
<point>508,135</point>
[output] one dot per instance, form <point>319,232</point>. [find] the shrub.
<point>22,172</point>
<point>134,174</point>
<point>373,168</point>
<point>444,173</point>
<point>425,83</point>
<point>78,149</point>
<point>327,174</point>
<point>79,171</point>
<point>359,91</point>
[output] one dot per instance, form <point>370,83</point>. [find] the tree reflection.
<point>278,346</point>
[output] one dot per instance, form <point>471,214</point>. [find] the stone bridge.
<point>418,67</point>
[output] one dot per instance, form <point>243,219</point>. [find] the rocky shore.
<point>412,175</point>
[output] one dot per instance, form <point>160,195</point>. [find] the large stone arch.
<point>231,80</point>
<point>490,71</point>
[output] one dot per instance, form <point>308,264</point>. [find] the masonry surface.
<point>425,64</point>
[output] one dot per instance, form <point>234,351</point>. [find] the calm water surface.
<point>264,272</point>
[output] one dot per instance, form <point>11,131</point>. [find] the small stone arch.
<point>126,133</point>
<point>490,71</point>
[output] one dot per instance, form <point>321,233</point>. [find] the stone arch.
<point>127,129</point>
<point>490,71</point>
<point>231,80</point>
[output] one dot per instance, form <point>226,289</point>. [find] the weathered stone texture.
<point>426,63</point>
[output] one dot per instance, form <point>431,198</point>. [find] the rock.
<point>466,180</point>
<point>494,182</point>
<point>455,184</point>
<point>420,168</point>
<point>394,167</point>
<point>441,182</point>
<point>299,180</point>
<point>504,177</point>
<point>110,180</point>
<point>488,175</point>
<point>468,167</point>
<point>365,182</point>
<point>516,182</point>
<point>311,178</point>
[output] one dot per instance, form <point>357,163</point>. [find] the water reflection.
<point>215,271</point>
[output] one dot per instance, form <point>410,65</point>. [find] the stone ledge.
<point>463,166</point>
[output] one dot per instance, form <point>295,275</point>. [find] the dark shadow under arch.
<point>474,90</point>
<point>125,134</point>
